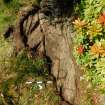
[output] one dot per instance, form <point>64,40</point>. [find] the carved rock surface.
<point>37,30</point>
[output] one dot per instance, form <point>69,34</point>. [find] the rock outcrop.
<point>48,30</point>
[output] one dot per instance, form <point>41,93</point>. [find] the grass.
<point>23,81</point>
<point>9,11</point>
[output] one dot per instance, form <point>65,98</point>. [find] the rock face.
<point>48,30</point>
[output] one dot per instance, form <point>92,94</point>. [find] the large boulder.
<point>48,30</point>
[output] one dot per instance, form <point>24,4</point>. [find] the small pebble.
<point>29,82</point>
<point>81,78</point>
<point>49,82</point>
<point>39,82</point>
<point>2,95</point>
<point>40,87</point>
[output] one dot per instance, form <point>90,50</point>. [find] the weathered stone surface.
<point>53,38</point>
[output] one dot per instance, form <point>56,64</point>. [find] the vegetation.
<point>89,43</point>
<point>9,11</point>
<point>24,80</point>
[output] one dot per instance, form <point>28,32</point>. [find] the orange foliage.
<point>79,24</point>
<point>97,50</point>
<point>80,49</point>
<point>101,19</point>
